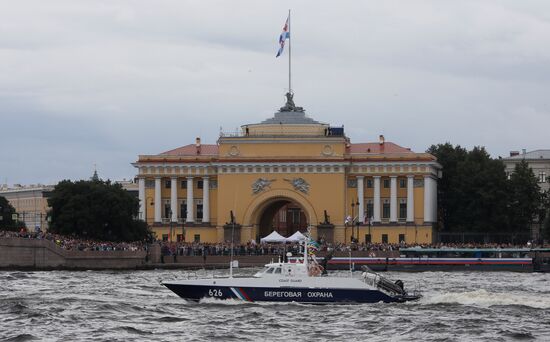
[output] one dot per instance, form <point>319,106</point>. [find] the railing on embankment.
<point>45,254</point>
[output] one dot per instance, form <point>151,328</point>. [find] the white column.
<point>410,198</point>
<point>361,196</point>
<point>190,202</point>
<point>142,204</point>
<point>430,199</point>
<point>158,217</point>
<point>393,198</point>
<point>376,200</point>
<point>205,199</point>
<point>174,198</point>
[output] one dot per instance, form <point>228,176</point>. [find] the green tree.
<point>96,209</point>
<point>525,198</point>
<point>472,193</point>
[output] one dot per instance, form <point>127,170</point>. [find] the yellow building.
<point>378,192</point>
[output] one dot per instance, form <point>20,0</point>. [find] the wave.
<point>484,298</point>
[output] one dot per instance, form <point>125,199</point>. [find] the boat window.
<point>269,270</point>
<point>278,270</point>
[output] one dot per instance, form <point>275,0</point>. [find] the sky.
<point>93,84</point>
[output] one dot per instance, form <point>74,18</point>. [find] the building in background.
<point>539,162</point>
<point>286,173</point>
<point>30,203</point>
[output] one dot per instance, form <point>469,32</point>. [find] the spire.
<point>95,177</point>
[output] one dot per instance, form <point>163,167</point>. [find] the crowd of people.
<point>72,243</point>
<point>250,248</point>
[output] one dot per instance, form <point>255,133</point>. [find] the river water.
<point>132,305</point>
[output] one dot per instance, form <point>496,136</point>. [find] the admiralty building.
<point>286,173</point>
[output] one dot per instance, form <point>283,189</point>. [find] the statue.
<point>290,106</point>
<point>299,184</point>
<point>260,184</point>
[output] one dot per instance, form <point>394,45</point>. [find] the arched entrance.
<point>282,215</point>
<point>264,207</point>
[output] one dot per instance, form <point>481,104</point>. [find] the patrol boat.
<point>302,281</point>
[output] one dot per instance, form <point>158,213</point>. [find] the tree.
<point>524,198</point>
<point>472,192</point>
<point>96,209</point>
<point>6,216</point>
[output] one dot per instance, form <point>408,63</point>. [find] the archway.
<point>284,216</point>
<point>261,211</point>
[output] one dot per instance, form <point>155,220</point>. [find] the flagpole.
<point>289,54</point>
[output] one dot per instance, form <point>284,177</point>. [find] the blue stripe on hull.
<point>266,294</point>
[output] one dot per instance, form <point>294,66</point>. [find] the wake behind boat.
<point>302,281</point>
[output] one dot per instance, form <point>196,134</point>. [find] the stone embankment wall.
<point>45,254</point>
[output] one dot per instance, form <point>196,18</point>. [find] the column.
<point>158,217</point>
<point>142,199</point>
<point>393,198</point>
<point>430,199</point>
<point>205,200</point>
<point>376,204</point>
<point>410,198</point>
<point>174,198</point>
<point>190,202</point>
<point>361,197</point>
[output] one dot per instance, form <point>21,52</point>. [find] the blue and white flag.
<point>284,36</point>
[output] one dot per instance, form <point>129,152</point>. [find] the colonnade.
<point>190,200</point>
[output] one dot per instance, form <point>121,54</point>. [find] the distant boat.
<point>454,259</point>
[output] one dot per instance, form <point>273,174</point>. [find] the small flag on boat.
<point>312,244</point>
<point>284,36</point>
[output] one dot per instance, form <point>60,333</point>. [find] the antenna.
<point>289,54</point>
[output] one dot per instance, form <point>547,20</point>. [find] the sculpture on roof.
<point>289,105</point>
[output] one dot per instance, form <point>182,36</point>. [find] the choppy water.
<point>108,305</point>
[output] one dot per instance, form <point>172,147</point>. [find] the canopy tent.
<point>296,237</point>
<point>273,237</point>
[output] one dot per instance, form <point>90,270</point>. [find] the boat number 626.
<point>215,293</point>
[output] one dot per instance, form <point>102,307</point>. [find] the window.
<point>183,210</point>
<point>386,183</point>
<point>277,270</point>
<point>183,184</point>
<point>386,209</point>
<point>384,238</point>
<point>401,238</point>
<point>402,183</point>
<point>542,177</point>
<point>180,237</point>
<point>369,183</point>
<point>199,211</point>
<point>200,184</point>
<point>167,184</point>
<point>403,209</point>
<point>167,210</point>
<point>269,270</point>
<point>164,237</point>
<point>370,209</point>
<point>368,238</point>
<point>197,238</point>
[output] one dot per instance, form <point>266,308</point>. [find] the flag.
<point>283,37</point>
<point>312,244</point>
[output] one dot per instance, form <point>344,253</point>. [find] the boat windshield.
<point>269,270</point>
<point>278,270</point>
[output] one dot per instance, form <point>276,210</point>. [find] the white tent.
<point>296,237</point>
<point>273,237</point>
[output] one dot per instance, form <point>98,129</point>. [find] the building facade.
<point>30,203</point>
<point>538,161</point>
<point>247,183</point>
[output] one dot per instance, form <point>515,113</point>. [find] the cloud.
<point>101,82</point>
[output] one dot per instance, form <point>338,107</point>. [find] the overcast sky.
<point>100,82</point>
